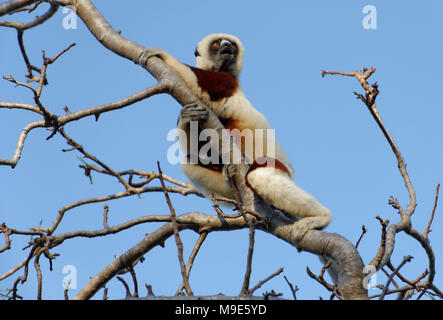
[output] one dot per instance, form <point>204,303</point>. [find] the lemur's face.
<point>220,52</point>
<point>224,54</point>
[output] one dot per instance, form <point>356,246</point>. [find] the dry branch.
<point>262,282</point>
<point>363,231</point>
<point>371,92</point>
<point>191,259</point>
<point>386,287</point>
<point>428,228</point>
<point>245,288</point>
<point>178,241</point>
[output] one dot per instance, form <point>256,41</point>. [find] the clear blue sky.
<point>338,152</point>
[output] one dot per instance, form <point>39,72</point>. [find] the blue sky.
<point>338,153</point>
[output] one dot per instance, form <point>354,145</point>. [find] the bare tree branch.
<point>381,251</point>
<point>371,93</point>
<point>363,231</point>
<point>426,232</point>
<point>386,287</point>
<point>191,259</point>
<point>262,282</point>
<point>178,241</point>
<point>245,288</point>
<point>6,232</point>
<point>63,120</point>
<point>13,5</point>
<point>20,26</point>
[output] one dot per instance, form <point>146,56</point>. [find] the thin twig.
<point>363,231</point>
<point>105,216</point>
<point>6,232</point>
<point>293,289</point>
<point>87,155</point>
<point>159,88</point>
<point>191,259</point>
<point>20,26</point>
<point>14,289</point>
<point>426,232</point>
<point>105,294</point>
<point>134,280</point>
<point>411,283</point>
<point>128,292</point>
<point>381,251</point>
<point>176,234</point>
<point>388,275</point>
<point>119,195</point>
<point>39,273</point>
<point>320,278</point>
<point>149,289</point>
<point>262,282</point>
<point>245,288</point>
<point>29,66</point>
<point>242,210</point>
<point>386,287</point>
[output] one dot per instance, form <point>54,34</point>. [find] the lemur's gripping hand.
<point>192,112</point>
<point>148,53</point>
<point>229,172</point>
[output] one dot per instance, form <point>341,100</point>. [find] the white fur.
<point>277,188</point>
<point>209,182</point>
<point>274,186</point>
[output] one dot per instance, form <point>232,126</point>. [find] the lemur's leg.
<point>278,189</point>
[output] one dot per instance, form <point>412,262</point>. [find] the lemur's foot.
<point>302,226</point>
<point>148,53</point>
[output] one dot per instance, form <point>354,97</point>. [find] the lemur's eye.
<point>234,46</point>
<point>216,44</point>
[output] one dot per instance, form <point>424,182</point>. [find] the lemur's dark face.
<point>223,54</point>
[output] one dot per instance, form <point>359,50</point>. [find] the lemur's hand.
<point>229,172</point>
<point>193,112</point>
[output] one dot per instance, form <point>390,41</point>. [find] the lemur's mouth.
<point>228,51</point>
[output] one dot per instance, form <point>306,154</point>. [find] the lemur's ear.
<point>196,53</point>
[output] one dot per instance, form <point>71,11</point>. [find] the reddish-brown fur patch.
<point>231,124</point>
<point>267,162</point>
<point>217,85</point>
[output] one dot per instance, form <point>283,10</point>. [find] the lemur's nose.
<point>226,43</point>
